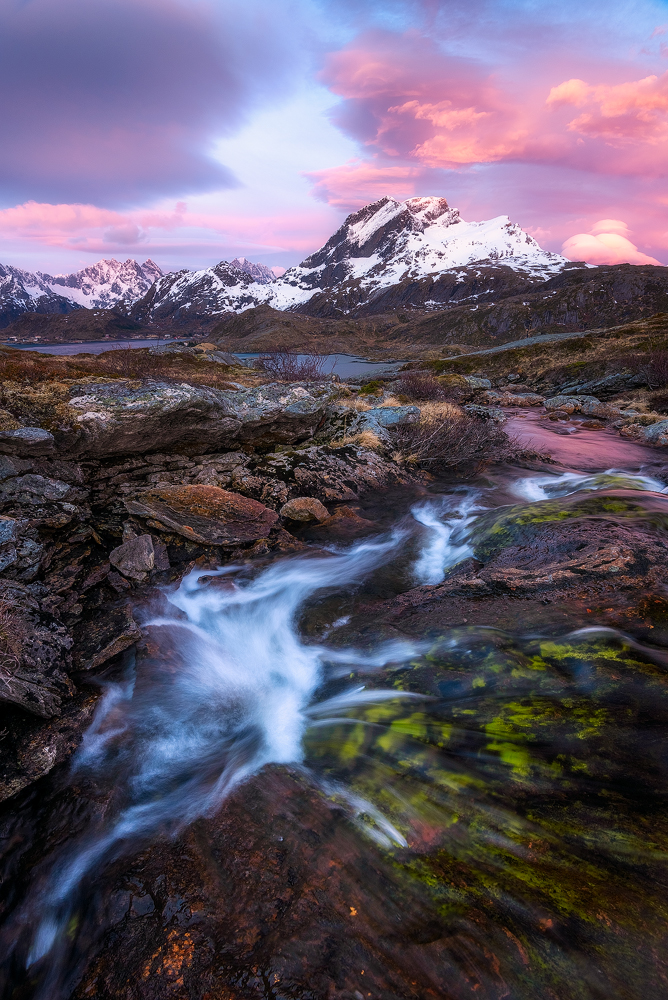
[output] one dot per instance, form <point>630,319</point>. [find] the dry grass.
<point>13,635</point>
<point>440,411</point>
<point>360,405</point>
<point>365,439</point>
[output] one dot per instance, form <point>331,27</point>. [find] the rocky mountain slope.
<point>103,285</point>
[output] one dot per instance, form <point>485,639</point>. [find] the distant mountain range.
<point>417,255</point>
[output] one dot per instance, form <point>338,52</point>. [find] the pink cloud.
<point>605,244</point>
<point>621,113</point>
<point>91,230</point>
<point>355,184</point>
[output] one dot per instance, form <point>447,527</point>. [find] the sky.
<point>192,131</point>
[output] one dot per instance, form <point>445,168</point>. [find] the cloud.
<point>605,244</point>
<point>621,113</point>
<point>355,184</point>
<point>119,101</point>
<point>93,231</point>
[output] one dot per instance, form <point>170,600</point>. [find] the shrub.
<point>446,442</point>
<point>420,385</point>
<point>655,369</point>
<point>287,367</point>
<point>372,387</point>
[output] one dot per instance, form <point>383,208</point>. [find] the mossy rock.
<point>523,789</point>
<point>521,523</point>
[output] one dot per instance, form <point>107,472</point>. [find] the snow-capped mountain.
<point>104,284</point>
<point>99,286</point>
<point>388,245</point>
<point>21,291</point>
<point>258,272</point>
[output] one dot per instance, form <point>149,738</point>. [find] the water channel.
<point>287,793</point>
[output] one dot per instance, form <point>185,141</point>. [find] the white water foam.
<point>546,487</point>
<point>235,697</point>
<point>446,542</point>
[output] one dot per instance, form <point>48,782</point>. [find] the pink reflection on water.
<point>584,450</point>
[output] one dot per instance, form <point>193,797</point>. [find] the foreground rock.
<point>204,514</point>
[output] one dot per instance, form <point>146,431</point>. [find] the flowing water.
<point>510,787</point>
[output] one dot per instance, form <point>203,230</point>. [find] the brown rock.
<point>134,558</point>
<point>205,514</point>
<point>304,509</point>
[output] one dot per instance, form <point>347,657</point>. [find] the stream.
<point>283,796</point>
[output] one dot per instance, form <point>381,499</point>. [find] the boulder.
<point>26,441</point>
<point>121,417</point>
<point>134,558</point>
<point>474,382</point>
<point>205,514</point>
<point>34,489</point>
<point>656,434</point>
<point>570,404</point>
<point>304,509</point>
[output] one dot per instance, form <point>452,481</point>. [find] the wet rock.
<point>27,441</point>
<point>304,509</point>
<point>204,514</point>
<point>102,635</point>
<point>344,523</point>
<point>31,748</point>
<point>135,558</point>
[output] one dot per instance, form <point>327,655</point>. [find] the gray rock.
<point>608,386</point>
<point>304,509</point>
<point>569,404</point>
<point>486,413</point>
<point>8,540</point>
<point>477,383</point>
<point>123,418</point>
<point>134,558</point>
<point>26,441</point>
<point>34,488</point>
<point>656,434</point>
<point>13,466</point>
<point>223,358</point>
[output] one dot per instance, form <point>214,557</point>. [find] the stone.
<point>12,466</point>
<point>134,558</point>
<point>388,417</point>
<point>486,413</point>
<point>656,434</point>
<point>304,509</point>
<point>205,514</point>
<point>8,540</point>
<point>569,404</point>
<point>104,635</point>
<point>34,488</point>
<point>474,382</point>
<point>123,418</point>
<point>27,441</point>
